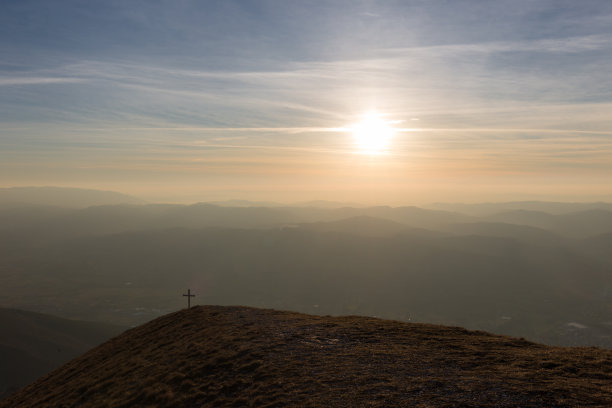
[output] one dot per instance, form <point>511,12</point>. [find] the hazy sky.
<point>184,101</point>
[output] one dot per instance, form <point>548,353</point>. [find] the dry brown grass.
<point>212,356</point>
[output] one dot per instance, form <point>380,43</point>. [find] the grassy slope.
<point>32,344</point>
<point>235,356</point>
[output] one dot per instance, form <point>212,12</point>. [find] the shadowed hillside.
<point>236,356</point>
<point>32,344</point>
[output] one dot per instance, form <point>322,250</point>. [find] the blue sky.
<point>196,100</point>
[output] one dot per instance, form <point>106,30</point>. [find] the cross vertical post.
<point>189,296</point>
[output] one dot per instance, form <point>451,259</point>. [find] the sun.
<point>372,134</point>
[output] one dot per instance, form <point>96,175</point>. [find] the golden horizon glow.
<point>372,134</point>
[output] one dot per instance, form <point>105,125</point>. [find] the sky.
<point>185,101</point>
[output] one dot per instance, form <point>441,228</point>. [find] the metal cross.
<point>189,296</point>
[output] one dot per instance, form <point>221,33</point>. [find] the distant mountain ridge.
<point>62,197</point>
<point>212,356</point>
<point>552,207</point>
<point>495,273</point>
<point>60,223</point>
<point>582,224</point>
<point>365,226</point>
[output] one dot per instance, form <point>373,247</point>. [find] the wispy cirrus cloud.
<point>514,87</point>
<point>13,81</point>
<point>575,44</point>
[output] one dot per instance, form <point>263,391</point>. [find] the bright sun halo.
<point>372,134</point>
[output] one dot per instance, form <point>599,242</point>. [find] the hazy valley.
<point>524,272</point>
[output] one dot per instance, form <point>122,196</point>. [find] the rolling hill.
<point>580,224</point>
<point>211,356</point>
<point>366,226</point>
<point>53,223</point>
<point>551,207</point>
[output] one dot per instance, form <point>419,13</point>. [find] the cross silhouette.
<point>189,296</point>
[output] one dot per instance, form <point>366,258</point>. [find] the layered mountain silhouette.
<point>62,197</point>
<point>212,356</point>
<point>126,263</point>
<point>32,344</point>
<point>550,207</point>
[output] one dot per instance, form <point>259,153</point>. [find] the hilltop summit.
<point>212,356</point>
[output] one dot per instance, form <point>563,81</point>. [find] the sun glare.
<point>372,134</point>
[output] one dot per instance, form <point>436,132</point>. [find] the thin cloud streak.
<point>297,86</point>
<point>576,44</point>
<point>15,81</point>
